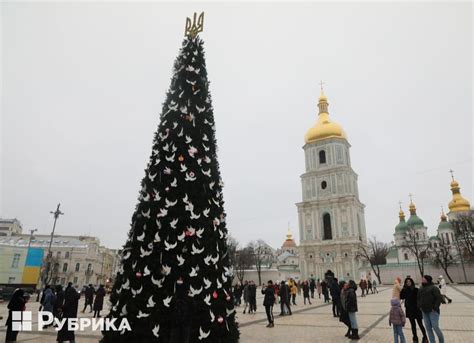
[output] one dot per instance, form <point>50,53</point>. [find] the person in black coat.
<point>269,301</point>
<point>409,292</point>
<point>336,297</point>
<point>306,292</point>
<point>183,312</point>
<point>284,299</point>
<point>89,298</point>
<point>99,301</point>
<point>325,289</point>
<point>58,305</point>
<point>351,308</point>
<point>343,314</point>
<point>16,304</point>
<point>253,297</point>
<point>71,302</point>
<point>312,286</point>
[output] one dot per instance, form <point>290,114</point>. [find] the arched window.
<point>78,267</point>
<point>406,257</point>
<point>64,267</point>
<point>322,157</point>
<point>327,226</point>
<point>324,184</point>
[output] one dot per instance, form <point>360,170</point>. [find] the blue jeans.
<point>398,333</point>
<point>431,320</point>
<point>353,319</point>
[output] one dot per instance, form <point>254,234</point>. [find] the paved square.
<point>314,323</point>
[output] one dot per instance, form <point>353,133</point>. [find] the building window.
<point>16,260</point>
<point>67,254</point>
<point>324,184</point>
<point>56,267</point>
<point>78,267</point>
<point>322,157</point>
<point>406,257</point>
<point>58,254</point>
<point>75,280</point>
<point>64,267</point>
<point>63,281</point>
<point>447,239</point>
<point>327,226</point>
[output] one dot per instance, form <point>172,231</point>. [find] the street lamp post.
<point>56,215</point>
<point>29,241</point>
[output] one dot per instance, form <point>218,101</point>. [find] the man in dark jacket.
<point>312,286</point>
<point>58,305</point>
<point>89,297</point>
<point>325,289</point>
<point>71,301</point>
<point>284,298</point>
<point>429,299</point>
<point>253,297</point>
<point>409,293</point>
<point>269,301</point>
<point>336,297</point>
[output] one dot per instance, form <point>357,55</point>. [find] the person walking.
<point>325,291</point>
<point>253,297</point>
<point>409,293</point>
<point>351,306</point>
<point>369,287</point>
<point>268,302</point>
<point>237,294</point>
<point>89,297</point>
<point>397,288</point>
<point>363,286</point>
<point>284,299</point>
<point>306,292</point>
<point>17,304</point>
<point>336,297</point>
<point>48,303</point>
<point>374,286</point>
<point>442,289</point>
<point>182,315</point>
<point>312,286</point>
<point>397,320</point>
<point>58,304</point>
<point>71,302</point>
<point>99,301</point>
<point>319,288</point>
<point>246,295</point>
<point>293,290</point>
<point>429,300</point>
<point>344,315</point>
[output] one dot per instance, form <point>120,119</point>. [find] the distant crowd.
<point>422,305</point>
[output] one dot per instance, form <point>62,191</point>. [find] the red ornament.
<point>188,233</point>
<point>191,174</point>
<point>138,274</point>
<point>214,295</point>
<point>220,320</point>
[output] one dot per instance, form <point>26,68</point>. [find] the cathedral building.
<point>287,259</point>
<point>445,234</point>
<point>330,215</point>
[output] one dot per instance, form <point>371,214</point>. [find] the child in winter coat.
<point>397,320</point>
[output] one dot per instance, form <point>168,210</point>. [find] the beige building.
<point>77,259</point>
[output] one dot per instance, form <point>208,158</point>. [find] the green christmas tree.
<point>175,277</point>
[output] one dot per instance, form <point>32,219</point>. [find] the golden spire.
<point>193,28</point>
<point>458,203</point>
<point>401,214</point>
<point>443,216</point>
<point>412,206</point>
<point>289,236</point>
<point>324,128</point>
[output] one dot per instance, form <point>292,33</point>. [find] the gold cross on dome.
<point>452,175</point>
<point>321,83</point>
<point>411,197</point>
<point>400,203</point>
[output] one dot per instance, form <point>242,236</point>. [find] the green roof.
<point>414,220</point>
<point>434,238</point>
<point>401,227</point>
<point>445,225</point>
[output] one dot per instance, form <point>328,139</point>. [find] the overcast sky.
<point>83,85</point>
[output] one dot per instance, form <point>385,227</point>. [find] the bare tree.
<point>375,253</point>
<point>464,233</point>
<point>442,256</point>
<point>262,255</point>
<point>418,246</point>
<point>232,246</point>
<point>243,261</point>
<point>50,269</point>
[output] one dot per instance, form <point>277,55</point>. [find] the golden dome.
<point>458,203</point>
<point>289,242</point>
<point>401,215</point>
<point>324,128</point>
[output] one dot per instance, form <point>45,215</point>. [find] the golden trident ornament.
<point>193,28</point>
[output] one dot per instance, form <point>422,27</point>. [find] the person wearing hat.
<point>429,300</point>
<point>442,289</point>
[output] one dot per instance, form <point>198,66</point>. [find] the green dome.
<point>434,238</point>
<point>414,220</point>
<point>445,225</point>
<point>401,227</point>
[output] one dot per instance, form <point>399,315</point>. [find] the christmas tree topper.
<point>193,28</point>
